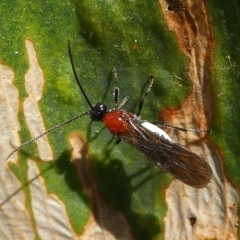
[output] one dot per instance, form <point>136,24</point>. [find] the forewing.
<point>184,165</point>
<point>180,162</point>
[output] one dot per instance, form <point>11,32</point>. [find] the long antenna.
<point>76,77</point>
<point>66,122</point>
<point>48,131</point>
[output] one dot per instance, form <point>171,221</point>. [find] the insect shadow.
<point>146,137</point>
<point>110,190</point>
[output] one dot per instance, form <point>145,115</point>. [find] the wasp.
<point>146,137</point>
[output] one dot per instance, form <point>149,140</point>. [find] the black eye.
<point>98,111</point>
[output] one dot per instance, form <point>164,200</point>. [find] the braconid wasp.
<point>146,137</point>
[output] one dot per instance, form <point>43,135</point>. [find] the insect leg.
<point>118,141</point>
<point>116,90</point>
<point>179,128</point>
<point>141,102</point>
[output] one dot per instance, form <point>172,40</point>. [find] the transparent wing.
<point>183,164</point>
<point>173,158</point>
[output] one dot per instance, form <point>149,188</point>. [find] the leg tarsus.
<point>118,141</point>
<point>179,128</point>
<point>141,102</point>
<point>116,89</point>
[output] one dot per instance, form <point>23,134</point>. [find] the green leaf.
<point>112,191</point>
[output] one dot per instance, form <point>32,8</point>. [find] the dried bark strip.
<point>214,209</point>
